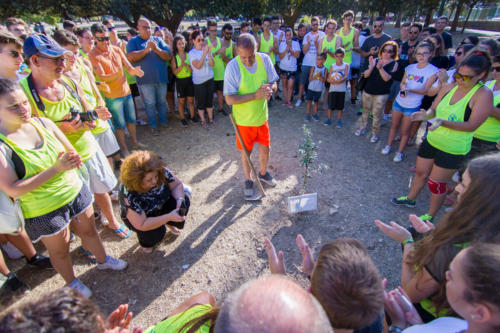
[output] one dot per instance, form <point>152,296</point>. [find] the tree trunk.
<point>467,19</point>
<point>428,16</point>
<point>174,22</point>
<point>454,25</point>
<point>290,17</point>
<point>398,20</point>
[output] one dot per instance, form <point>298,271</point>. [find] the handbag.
<point>11,215</point>
<point>360,86</point>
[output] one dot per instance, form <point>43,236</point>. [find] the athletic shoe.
<point>112,263</point>
<point>249,193</point>
<point>360,112</point>
<point>315,117</point>
<point>398,157</point>
<point>411,142</point>
<point>426,217</point>
<point>404,201</point>
<point>194,119</point>
<point>185,123</point>
<point>384,122</point>
<point>307,117</point>
<point>299,101</point>
<point>141,122</point>
<point>374,139</point>
<point>339,124</point>
<point>268,179</point>
<point>40,261</point>
<point>360,132</point>
<point>113,195</point>
<point>155,132</point>
<point>14,284</point>
<point>81,288</point>
<point>11,251</point>
<point>386,150</point>
<point>327,122</point>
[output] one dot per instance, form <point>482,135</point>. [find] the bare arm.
<point>99,71</point>
<point>262,93</point>
<point>163,54</point>
<point>198,64</point>
<point>143,223</point>
<point>176,70</point>
<point>135,56</point>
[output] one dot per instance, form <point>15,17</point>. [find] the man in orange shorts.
<point>249,82</point>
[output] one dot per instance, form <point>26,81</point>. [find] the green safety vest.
<point>349,38</point>
<point>330,46</point>
<point>265,46</point>
<point>184,73</point>
<point>490,129</point>
<point>219,66</point>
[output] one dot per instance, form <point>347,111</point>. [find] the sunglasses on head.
<point>102,39</point>
<point>14,54</point>
<point>465,78</point>
<point>496,68</point>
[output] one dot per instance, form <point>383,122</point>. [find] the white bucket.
<point>303,203</point>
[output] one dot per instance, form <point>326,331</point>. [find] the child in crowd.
<point>317,78</point>
<point>338,74</point>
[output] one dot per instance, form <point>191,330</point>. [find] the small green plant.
<point>308,155</point>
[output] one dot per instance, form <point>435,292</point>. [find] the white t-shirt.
<point>289,62</point>
<point>310,56</point>
<point>495,92</point>
<point>232,75</point>
<point>356,57</point>
<point>340,72</point>
<point>451,79</point>
<point>415,79</point>
<point>440,325</point>
<point>316,84</point>
<point>203,74</point>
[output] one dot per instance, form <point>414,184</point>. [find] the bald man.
<point>249,82</point>
<point>271,304</point>
<point>151,53</point>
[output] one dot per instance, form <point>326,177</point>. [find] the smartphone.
<point>182,209</point>
<point>405,304</point>
<point>402,93</point>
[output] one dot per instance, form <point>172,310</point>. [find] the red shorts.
<point>252,134</point>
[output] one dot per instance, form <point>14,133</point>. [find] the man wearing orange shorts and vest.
<point>249,82</point>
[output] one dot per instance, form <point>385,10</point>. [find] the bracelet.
<point>395,329</point>
<point>180,198</point>
<point>406,241</point>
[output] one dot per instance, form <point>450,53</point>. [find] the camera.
<point>84,116</point>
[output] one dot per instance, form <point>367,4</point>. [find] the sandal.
<point>147,250</point>
<point>88,255</point>
<point>204,124</point>
<point>173,230</point>
<point>123,229</point>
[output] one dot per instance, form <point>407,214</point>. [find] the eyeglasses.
<point>212,30</point>
<point>102,39</point>
<point>465,78</point>
<point>314,25</point>
<point>391,51</point>
<point>496,68</point>
<point>59,60</point>
<point>15,54</point>
<point>458,53</point>
<point>145,27</point>
<point>378,25</point>
<point>414,32</point>
<point>422,53</point>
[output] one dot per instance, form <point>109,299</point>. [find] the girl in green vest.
<point>184,79</point>
<point>39,169</point>
<point>427,257</point>
<point>458,110</point>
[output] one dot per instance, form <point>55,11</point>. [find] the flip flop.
<point>173,230</point>
<point>88,255</point>
<point>122,230</point>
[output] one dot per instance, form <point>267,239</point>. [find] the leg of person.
<point>290,84</point>
<point>103,201</point>
<point>182,104</point>
<point>415,125</point>
<point>116,108</point>
<point>220,100</point>
<point>285,88</point>
<point>377,111</point>
<point>308,106</point>
<point>23,243</point>
<point>246,167</point>
<point>354,92</point>
<point>264,153</point>
<point>84,227</point>
<point>210,86</point>
<point>161,103</point>
<point>171,100</point>
<point>424,168</point>
<point>367,101</point>
<point>58,247</point>
<point>405,132</point>
<point>3,266</point>
<point>148,94</point>
<point>396,121</point>
<point>12,283</point>
<point>131,121</point>
<point>437,184</point>
<point>190,101</point>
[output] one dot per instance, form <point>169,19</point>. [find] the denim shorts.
<point>395,87</point>
<point>122,111</point>
<point>304,74</point>
<point>406,111</point>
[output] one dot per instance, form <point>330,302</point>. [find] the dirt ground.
<point>222,244</point>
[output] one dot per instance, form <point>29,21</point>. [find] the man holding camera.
<point>54,96</point>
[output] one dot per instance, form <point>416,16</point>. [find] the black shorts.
<point>313,95</point>
<point>441,159</point>
<point>327,85</point>
<point>204,94</point>
<point>354,72</point>
<point>134,90</point>
<point>481,147</point>
<point>184,87</point>
<point>171,79</point>
<point>336,100</point>
<point>152,237</point>
<point>287,75</point>
<point>219,85</point>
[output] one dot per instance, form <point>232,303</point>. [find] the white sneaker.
<point>386,150</point>
<point>374,139</point>
<point>112,263</point>
<point>187,190</point>
<point>398,157</point>
<point>299,101</point>
<point>81,288</point>
<point>113,195</point>
<point>11,251</point>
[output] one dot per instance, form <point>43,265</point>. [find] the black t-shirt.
<point>365,32</point>
<point>370,42</point>
<point>448,40</point>
<point>404,54</point>
<point>375,85</point>
<point>441,62</point>
<point>301,56</point>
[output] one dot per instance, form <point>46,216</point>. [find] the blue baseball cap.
<point>45,45</point>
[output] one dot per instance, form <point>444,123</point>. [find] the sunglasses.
<point>15,54</point>
<point>414,32</point>
<point>314,25</point>
<point>200,39</point>
<point>496,68</point>
<point>111,28</point>
<point>102,39</point>
<point>377,25</point>
<point>59,61</point>
<point>465,78</point>
<point>391,51</point>
<point>458,53</point>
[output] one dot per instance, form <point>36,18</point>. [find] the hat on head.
<point>45,45</point>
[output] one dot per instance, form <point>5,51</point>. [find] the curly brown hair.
<point>135,167</point>
<point>476,218</point>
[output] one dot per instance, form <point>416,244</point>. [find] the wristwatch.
<point>395,329</point>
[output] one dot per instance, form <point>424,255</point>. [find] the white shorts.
<point>97,174</point>
<point>107,142</point>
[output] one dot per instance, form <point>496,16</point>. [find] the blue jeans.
<point>122,110</point>
<point>154,96</point>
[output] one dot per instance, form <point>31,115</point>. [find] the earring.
<point>473,317</point>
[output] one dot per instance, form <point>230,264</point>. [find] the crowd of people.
<point>68,102</point>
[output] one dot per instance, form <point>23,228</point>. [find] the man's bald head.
<point>271,304</point>
<point>144,28</point>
